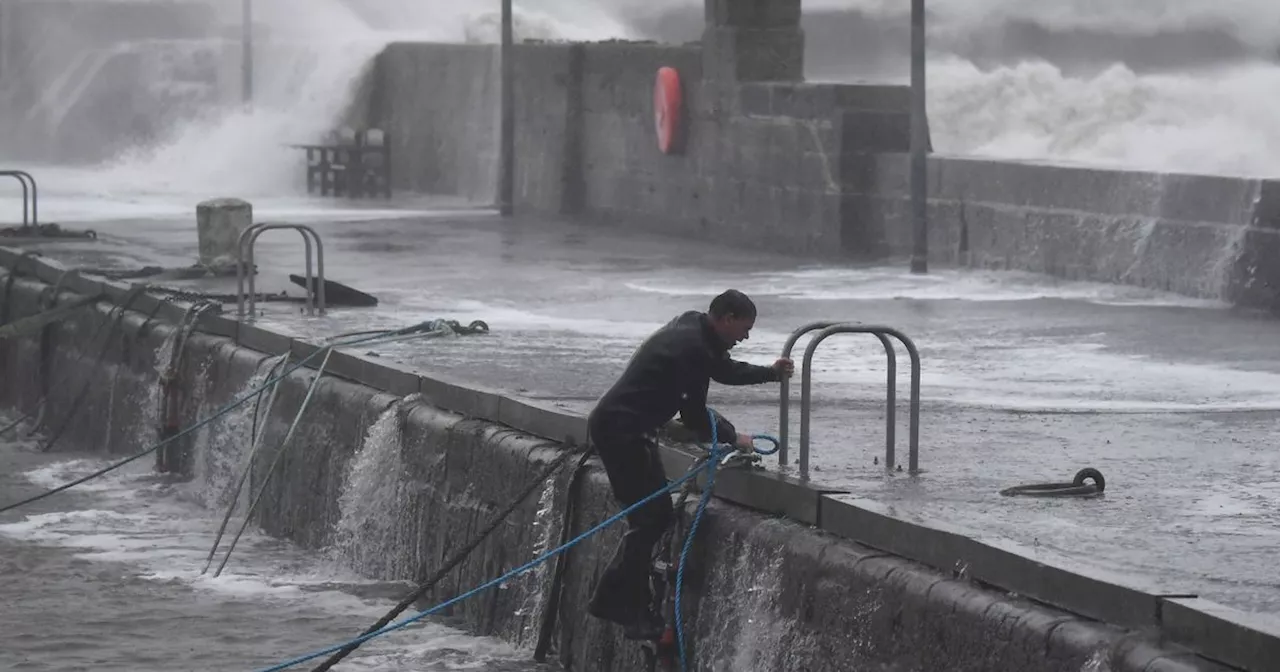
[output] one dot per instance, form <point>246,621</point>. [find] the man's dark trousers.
<point>634,467</point>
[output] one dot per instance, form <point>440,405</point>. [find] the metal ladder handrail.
<point>784,402</point>
<point>30,196</point>
<point>882,333</point>
<point>245,258</point>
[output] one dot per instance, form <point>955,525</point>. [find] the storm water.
<point>108,576</point>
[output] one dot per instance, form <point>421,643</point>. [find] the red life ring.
<point>667,110</point>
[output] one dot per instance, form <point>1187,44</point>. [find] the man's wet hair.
<point>732,303</point>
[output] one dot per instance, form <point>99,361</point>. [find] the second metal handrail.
<point>784,403</point>
<point>245,260</point>
<point>883,334</point>
<point>30,196</point>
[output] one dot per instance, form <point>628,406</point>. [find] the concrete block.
<point>771,493</point>
<point>755,99</point>
<point>1245,640</point>
<point>8,255</point>
<point>344,365</point>
<point>676,462</point>
<point>1266,213</point>
<point>753,54</point>
<point>144,303</point>
<point>48,270</point>
<point>115,291</point>
<point>1085,591</point>
<point>302,351</point>
<point>470,401</point>
<point>875,132</point>
<point>1187,662</point>
<point>84,286</point>
<point>1254,280</point>
<point>262,340</point>
<point>219,223</point>
<point>217,325</point>
<point>171,312</point>
<point>758,490</point>
<point>387,376</point>
<point>547,422</point>
<point>753,13</point>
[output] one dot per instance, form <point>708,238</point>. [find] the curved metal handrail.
<point>784,392</point>
<point>30,196</point>
<point>806,381</point>
<point>245,252</point>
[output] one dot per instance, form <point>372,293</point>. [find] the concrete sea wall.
<point>784,575</point>
<point>769,161</point>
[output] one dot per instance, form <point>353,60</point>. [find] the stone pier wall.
<point>783,574</point>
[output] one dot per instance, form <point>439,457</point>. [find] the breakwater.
<point>786,575</point>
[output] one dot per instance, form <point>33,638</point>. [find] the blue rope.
<point>711,465</point>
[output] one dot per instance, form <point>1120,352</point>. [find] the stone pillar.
<point>219,223</point>
<point>751,41</point>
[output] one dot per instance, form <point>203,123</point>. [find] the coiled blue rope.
<point>712,463</point>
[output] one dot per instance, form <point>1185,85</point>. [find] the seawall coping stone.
<point>1248,641</point>
<point>544,421</point>
<point>1213,631</point>
<point>219,325</point>
<point>470,401</point>
<point>257,338</point>
<point>147,304</point>
<point>766,492</point>
<point>1038,576</point>
<point>387,376</point>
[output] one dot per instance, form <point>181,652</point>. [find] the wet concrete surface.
<point>1025,379</point>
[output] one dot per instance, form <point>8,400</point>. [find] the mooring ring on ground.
<point>1080,486</point>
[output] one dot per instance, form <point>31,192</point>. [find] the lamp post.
<point>919,131</point>
<point>507,128</point>
<point>246,55</point>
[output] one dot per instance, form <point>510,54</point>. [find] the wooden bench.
<point>351,163</point>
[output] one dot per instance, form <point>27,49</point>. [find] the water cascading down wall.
<point>769,161</point>
<point>777,580</point>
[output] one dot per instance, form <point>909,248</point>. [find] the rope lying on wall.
<point>256,439</point>
<point>275,463</point>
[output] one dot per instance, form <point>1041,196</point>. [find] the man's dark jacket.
<point>670,374</point>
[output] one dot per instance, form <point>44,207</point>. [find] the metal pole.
<point>246,56</point>
<point>919,129</point>
<point>506,150</point>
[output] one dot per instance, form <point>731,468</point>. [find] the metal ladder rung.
<point>245,259</point>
